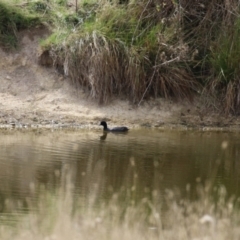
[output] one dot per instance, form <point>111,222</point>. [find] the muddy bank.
<point>32,96</point>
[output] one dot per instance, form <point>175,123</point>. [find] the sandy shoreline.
<point>32,96</point>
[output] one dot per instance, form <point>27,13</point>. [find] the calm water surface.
<point>141,161</point>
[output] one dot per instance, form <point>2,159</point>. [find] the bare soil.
<point>35,96</point>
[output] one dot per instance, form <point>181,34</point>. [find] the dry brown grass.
<point>164,216</point>
<point>147,48</point>
<point>108,67</point>
<point>100,65</point>
<point>128,55</point>
<point>212,27</point>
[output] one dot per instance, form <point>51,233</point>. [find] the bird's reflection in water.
<point>105,133</point>
<point>104,136</point>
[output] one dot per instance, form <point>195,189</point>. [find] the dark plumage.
<point>116,129</point>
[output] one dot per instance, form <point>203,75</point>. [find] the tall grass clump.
<point>130,49</point>
<point>13,19</point>
<point>89,62</point>
<point>212,29</point>
<point>225,57</point>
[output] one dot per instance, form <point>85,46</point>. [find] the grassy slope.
<point>13,19</point>
<point>139,48</point>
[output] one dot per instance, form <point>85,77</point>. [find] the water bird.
<point>116,129</point>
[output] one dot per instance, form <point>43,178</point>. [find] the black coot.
<point>116,129</point>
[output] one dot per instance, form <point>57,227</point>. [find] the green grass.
<point>13,19</point>
<point>224,62</point>
<point>225,56</point>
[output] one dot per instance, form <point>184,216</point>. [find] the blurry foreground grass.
<point>63,215</point>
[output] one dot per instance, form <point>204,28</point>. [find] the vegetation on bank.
<point>138,49</point>
<point>13,19</point>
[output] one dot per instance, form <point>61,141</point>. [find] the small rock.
<point>159,124</point>
<point>148,125</point>
<point>35,119</point>
<point>24,62</point>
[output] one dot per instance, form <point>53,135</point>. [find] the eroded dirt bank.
<point>35,96</point>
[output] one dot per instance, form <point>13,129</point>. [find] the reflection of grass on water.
<point>63,215</point>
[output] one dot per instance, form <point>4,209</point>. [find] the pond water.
<point>141,161</point>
